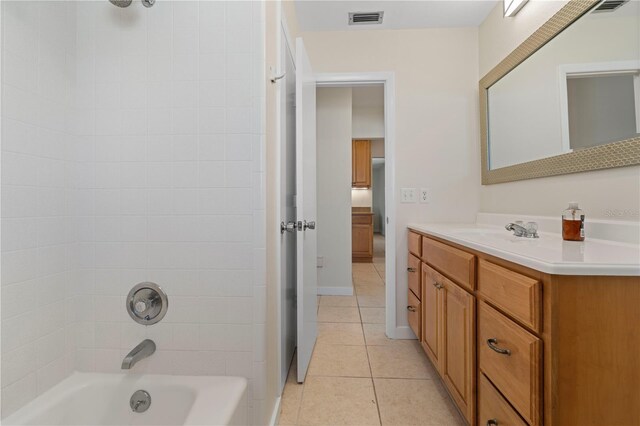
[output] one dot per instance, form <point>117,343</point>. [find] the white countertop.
<point>549,253</point>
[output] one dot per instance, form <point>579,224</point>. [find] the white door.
<point>307,278</point>
<point>288,276</point>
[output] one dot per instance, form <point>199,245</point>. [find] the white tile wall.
<point>37,197</point>
<point>153,171</point>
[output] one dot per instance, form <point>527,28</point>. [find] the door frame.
<point>387,79</point>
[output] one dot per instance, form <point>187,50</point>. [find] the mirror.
<point>568,95</point>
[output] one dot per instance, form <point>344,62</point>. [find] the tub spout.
<point>145,349</point>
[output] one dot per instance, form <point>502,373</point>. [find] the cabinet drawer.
<point>415,245</point>
<point>516,372</point>
<point>361,219</point>
<point>493,409</point>
<point>456,264</point>
<point>414,309</point>
<point>515,294</point>
<point>413,272</point>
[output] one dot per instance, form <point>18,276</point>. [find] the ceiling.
<point>330,15</point>
<point>368,96</point>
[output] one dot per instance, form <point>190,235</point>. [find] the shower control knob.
<point>140,306</point>
<point>147,303</point>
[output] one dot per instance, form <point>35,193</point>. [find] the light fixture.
<point>512,7</point>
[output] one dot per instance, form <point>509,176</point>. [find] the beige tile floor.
<point>357,375</point>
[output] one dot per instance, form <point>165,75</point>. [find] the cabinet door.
<point>431,315</point>
<point>361,240</point>
<point>458,363</point>
<point>361,164</point>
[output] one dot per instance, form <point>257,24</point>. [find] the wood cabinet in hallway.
<point>361,164</point>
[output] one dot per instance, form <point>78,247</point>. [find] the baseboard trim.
<point>404,332</point>
<point>335,291</point>
<point>275,415</point>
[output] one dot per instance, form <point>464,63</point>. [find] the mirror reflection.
<point>580,90</point>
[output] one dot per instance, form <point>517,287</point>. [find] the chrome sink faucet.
<point>530,230</point>
<point>145,349</point>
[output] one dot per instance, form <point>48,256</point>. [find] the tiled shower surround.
<point>132,150</point>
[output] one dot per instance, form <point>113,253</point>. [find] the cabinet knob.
<point>411,269</point>
<point>411,308</point>
<point>436,285</point>
<point>492,344</point>
<point>492,422</point>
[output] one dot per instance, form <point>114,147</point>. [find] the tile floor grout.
<point>373,382</point>
<point>316,399</point>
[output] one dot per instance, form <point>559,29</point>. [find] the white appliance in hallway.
<point>307,278</point>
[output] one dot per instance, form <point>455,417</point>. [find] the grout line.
<point>297,420</point>
<point>366,347</point>
<point>373,383</point>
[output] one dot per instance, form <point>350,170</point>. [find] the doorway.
<point>383,245</point>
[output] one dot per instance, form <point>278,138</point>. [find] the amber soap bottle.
<point>573,223</point>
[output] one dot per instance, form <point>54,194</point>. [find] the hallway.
<point>357,375</point>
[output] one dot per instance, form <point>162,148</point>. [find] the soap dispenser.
<point>573,223</point>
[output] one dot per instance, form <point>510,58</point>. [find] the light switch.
<point>409,195</point>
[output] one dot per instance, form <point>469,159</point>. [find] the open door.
<point>307,274</point>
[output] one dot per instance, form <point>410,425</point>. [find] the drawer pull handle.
<point>411,269</point>
<point>411,308</point>
<point>492,422</point>
<point>493,342</point>
<point>438,286</point>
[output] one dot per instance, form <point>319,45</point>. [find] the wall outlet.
<point>409,195</point>
<point>425,195</point>
<point>320,262</point>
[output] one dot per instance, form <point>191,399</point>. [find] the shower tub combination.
<point>105,399</point>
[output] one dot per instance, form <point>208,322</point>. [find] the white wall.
<point>368,122</point>
<point>361,197</point>
<point>613,193</point>
<point>377,148</point>
<point>334,194</point>
<point>437,143</point>
<point>167,137</point>
<point>38,198</point>
<point>611,118</point>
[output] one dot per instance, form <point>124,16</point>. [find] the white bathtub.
<point>103,399</point>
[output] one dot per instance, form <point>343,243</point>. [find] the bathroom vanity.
<point>528,331</point>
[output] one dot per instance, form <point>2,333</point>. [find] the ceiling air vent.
<point>362,18</point>
<point>609,5</point>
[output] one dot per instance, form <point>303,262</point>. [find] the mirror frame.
<point>616,154</point>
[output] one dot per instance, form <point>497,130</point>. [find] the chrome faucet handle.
<point>530,230</point>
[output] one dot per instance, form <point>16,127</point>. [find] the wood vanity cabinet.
<point>516,346</point>
<point>448,334</point>
<point>361,164</point>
